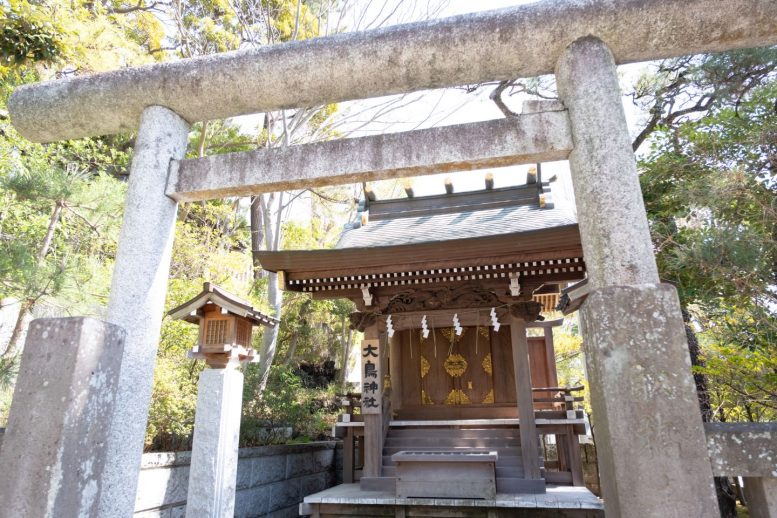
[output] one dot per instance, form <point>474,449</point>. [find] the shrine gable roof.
<point>486,227</point>
<point>446,217</point>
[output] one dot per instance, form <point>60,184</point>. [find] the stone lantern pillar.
<point>213,472</point>
<point>226,324</point>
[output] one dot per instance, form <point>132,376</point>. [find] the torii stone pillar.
<point>761,496</point>
<point>652,451</point>
<point>138,295</point>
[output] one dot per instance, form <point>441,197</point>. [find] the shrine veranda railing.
<point>563,423</point>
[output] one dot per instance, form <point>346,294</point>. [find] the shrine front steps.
<point>504,440</point>
<point>352,501</point>
<point>508,484</point>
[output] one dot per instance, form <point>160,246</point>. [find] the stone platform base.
<point>350,500</point>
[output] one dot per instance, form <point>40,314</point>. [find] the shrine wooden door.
<point>446,369</point>
<point>470,376</point>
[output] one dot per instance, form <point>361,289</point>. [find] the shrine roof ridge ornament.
<point>521,41</point>
<point>446,217</point>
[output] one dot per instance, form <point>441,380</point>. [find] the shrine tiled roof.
<point>511,210</point>
<point>510,225</point>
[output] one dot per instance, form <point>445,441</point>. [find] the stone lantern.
<point>226,324</point>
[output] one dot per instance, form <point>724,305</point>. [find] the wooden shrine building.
<point>454,394</point>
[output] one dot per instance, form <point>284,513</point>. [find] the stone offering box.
<point>446,474</point>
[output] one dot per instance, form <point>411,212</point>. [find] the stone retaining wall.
<point>590,468</point>
<point>271,480</point>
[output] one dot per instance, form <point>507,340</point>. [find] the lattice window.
<point>549,301</point>
<point>216,332</point>
<point>243,333</point>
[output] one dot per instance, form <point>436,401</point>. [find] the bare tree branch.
<point>496,96</point>
<point>140,6</point>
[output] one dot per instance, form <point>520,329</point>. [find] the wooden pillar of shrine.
<point>523,389</point>
<point>372,406</point>
<point>395,372</point>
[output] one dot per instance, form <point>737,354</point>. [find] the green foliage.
<point>211,26</point>
<point>27,34</point>
<point>711,195</point>
<point>285,20</point>
<point>286,402</point>
<point>173,404</point>
<point>56,37</point>
<point>219,137</point>
<point>570,360</point>
<point>710,192</point>
<point>740,353</point>
<point>312,330</point>
<point>37,181</point>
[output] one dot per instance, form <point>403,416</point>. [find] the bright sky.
<point>454,106</point>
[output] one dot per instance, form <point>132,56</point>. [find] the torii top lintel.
<point>522,41</point>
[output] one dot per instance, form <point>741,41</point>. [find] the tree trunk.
<point>292,349</point>
<point>270,337</point>
<point>22,320</point>
<point>725,493</point>
<point>346,350</point>
<point>27,305</point>
<point>257,234</point>
<point>272,241</point>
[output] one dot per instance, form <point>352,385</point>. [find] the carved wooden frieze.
<point>528,310</point>
<point>467,296</point>
<point>488,367</point>
<point>362,320</point>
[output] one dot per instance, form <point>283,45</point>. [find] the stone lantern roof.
<point>232,304</point>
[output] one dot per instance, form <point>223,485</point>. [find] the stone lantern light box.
<point>226,326</point>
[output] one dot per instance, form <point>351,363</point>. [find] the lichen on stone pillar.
<point>137,296</point>
<point>653,458</point>
<point>611,213</point>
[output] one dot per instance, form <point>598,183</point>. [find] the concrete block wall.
<point>271,480</point>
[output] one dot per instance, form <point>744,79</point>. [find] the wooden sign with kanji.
<point>372,388</point>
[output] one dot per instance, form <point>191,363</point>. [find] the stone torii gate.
<point>654,459</point>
